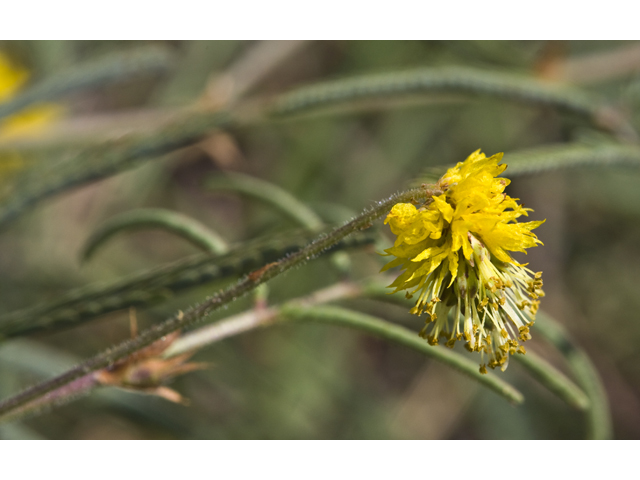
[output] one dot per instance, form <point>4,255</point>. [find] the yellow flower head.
<point>454,253</point>
<point>11,78</point>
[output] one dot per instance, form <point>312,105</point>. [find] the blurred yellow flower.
<point>454,255</point>
<point>26,122</point>
<point>11,78</point>
<point>29,121</point>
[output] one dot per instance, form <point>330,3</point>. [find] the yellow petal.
<point>441,204</point>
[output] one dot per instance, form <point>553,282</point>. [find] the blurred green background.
<point>317,381</point>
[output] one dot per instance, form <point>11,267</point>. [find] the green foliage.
<point>326,129</point>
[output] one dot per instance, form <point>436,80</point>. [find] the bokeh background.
<point>316,381</point>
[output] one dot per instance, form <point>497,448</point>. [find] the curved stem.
<point>544,372</point>
<point>270,194</point>
<point>395,333</point>
<point>301,309</point>
<point>195,314</point>
<point>555,381</point>
<point>307,309</point>
<point>282,201</point>
<point>156,285</point>
<point>182,225</point>
<point>504,85</point>
<point>598,417</point>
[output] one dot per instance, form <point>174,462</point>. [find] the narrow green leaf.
<point>395,333</point>
<point>174,222</point>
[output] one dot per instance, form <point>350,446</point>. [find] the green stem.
<point>270,194</point>
<point>143,289</point>
<point>282,201</point>
<point>599,425</point>
<point>552,158</point>
<point>555,381</point>
<point>108,158</point>
<point>395,333</point>
<point>426,80</point>
<point>504,85</point>
<point>195,314</point>
<point>558,157</point>
<point>248,321</point>
<point>186,227</point>
<point>544,372</point>
<point>111,68</point>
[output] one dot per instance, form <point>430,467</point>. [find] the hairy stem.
<point>282,201</point>
<point>443,79</point>
<point>156,285</point>
<point>195,314</point>
<point>109,158</point>
<point>505,85</point>
<point>113,67</point>
<point>301,309</point>
<point>556,157</point>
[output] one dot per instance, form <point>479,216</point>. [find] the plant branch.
<point>270,194</point>
<point>301,309</point>
<point>255,318</point>
<point>555,381</point>
<point>550,158</point>
<point>306,309</point>
<point>195,314</point>
<point>544,372</point>
<point>111,68</point>
<point>403,336</point>
<point>156,285</point>
<point>281,200</point>
<point>504,85</point>
<point>108,158</point>
<point>599,425</point>
<point>186,227</point>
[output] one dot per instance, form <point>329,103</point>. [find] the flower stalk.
<point>198,313</point>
